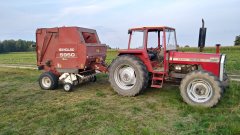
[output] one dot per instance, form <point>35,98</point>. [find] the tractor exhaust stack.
<point>202,37</point>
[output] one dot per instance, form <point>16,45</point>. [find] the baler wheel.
<point>68,87</point>
<point>94,78</point>
<point>201,88</point>
<point>128,75</point>
<point>48,81</point>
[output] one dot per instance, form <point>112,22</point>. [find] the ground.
<point>94,108</point>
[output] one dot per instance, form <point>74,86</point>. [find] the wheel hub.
<point>46,82</point>
<point>125,77</point>
<point>66,87</point>
<point>199,91</point>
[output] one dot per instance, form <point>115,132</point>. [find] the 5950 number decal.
<point>67,55</point>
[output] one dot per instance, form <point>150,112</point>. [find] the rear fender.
<point>142,56</point>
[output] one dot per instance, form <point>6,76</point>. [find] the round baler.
<point>71,55</point>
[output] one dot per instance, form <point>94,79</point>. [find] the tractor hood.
<point>210,62</point>
<point>194,57</point>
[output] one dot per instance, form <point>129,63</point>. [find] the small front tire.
<point>68,87</point>
<point>93,79</point>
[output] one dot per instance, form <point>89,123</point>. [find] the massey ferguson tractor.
<point>72,55</point>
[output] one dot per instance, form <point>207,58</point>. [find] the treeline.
<point>16,46</point>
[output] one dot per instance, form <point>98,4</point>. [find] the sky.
<point>113,18</point>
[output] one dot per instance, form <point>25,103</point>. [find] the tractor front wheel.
<point>200,88</point>
<point>128,75</point>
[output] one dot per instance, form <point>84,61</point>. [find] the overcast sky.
<point>112,18</point>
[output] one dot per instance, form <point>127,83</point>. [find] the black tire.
<point>225,82</point>
<point>140,75</point>
<point>93,79</point>
<point>68,87</point>
<point>48,81</point>
<point>196,84</point>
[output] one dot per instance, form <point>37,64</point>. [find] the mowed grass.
<point>23,58</point>
<point>94,108</point>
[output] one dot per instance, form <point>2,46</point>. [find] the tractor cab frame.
<point>155,46</point>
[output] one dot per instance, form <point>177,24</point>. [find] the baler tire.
<point>140,75</point>
<point>94,78</point>
<point>68,87</point>
<point>205,80</point>
<point>52,78</point>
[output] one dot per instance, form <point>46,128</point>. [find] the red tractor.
<point>152,58</point>
<point>72,55</point>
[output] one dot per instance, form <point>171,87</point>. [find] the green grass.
<point>94,108</point>
<point>28,58</point>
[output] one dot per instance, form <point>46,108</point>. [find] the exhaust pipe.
<point>202,37</point>
<point>218,48</point>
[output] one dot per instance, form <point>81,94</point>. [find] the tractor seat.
<point>152,56</point>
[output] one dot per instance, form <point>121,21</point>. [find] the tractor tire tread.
<point>143,74</point>
<point>214,82</point>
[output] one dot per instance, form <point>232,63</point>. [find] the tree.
<point>187,46</point>
<point>108,47</point>
<point>237,41</point>
<point>16,46</point>
<point>1,47</point>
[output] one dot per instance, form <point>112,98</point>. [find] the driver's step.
<point>157,79</point>
<point>157,83</point>
<point>156,86</point>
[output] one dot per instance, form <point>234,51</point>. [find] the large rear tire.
<point>200,88</point>
<point>48,81</point>
<point>128,75</point>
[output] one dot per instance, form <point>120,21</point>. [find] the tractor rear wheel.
<point>200,88</point>
<point>48,81</point>
<point>128,75</point>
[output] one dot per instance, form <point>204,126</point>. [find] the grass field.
<point>94,108</point>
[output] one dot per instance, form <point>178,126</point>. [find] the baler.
<point>69,54</point>
<point>72,55</point>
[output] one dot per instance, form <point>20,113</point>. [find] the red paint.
<point>212,67</point>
